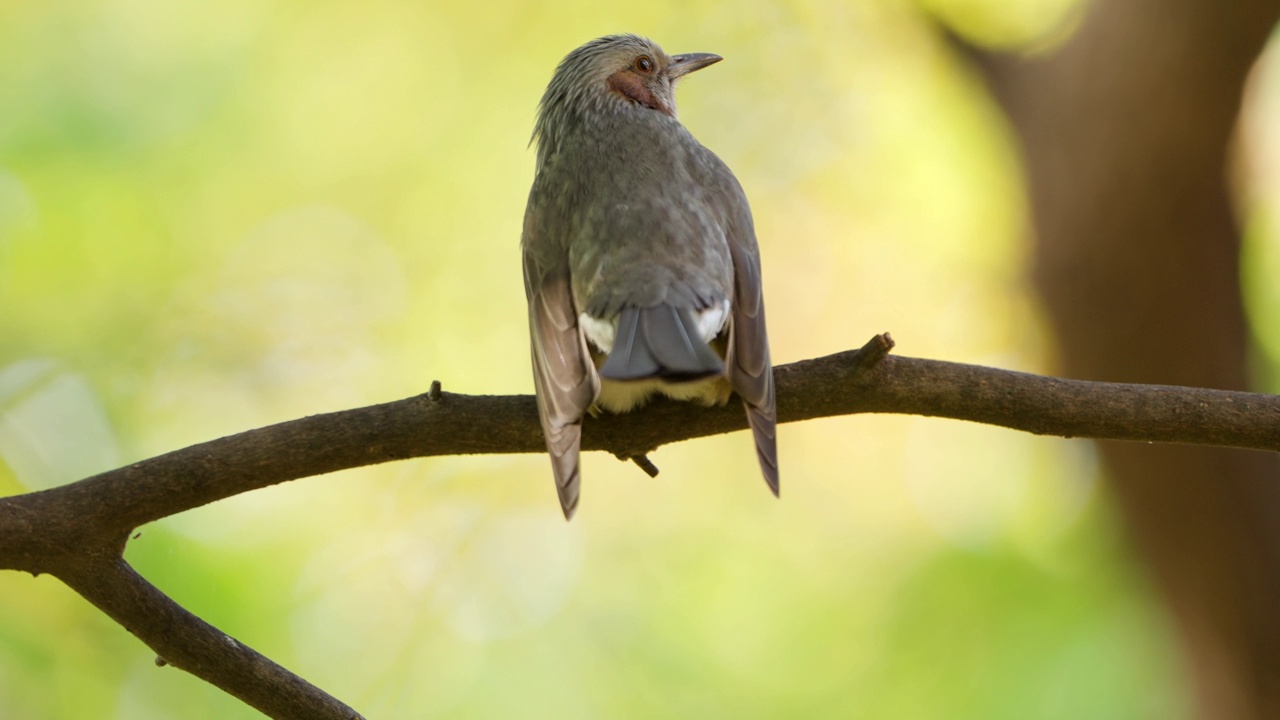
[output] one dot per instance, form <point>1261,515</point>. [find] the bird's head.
<point>613,72</point>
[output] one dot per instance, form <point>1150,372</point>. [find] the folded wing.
<point>563,374</point>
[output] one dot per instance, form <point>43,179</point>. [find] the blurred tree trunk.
<point>1126,133</point>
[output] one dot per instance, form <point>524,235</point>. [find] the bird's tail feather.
<point>660,341</point>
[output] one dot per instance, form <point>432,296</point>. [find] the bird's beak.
<point>682,65</point>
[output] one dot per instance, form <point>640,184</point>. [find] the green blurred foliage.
<point>215,216</point>
<point>1258,180</point>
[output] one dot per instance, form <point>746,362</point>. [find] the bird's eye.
<point>643,65</point>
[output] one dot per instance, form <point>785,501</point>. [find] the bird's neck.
<point>596,123</point>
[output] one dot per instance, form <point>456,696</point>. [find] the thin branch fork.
<point>78,532</point>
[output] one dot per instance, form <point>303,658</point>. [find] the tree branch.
<point>185,641</point>
<point>77,532</point>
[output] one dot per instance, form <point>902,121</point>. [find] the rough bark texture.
<point>77,532</point>
<point>1126,133</point>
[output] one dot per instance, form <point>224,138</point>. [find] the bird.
<point>641,267</point>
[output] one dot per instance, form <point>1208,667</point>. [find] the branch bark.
<point>77,532</point>
<point>185,641</point>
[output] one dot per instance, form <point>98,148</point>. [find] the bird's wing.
<point>563,374</point>
<point>748,367</point>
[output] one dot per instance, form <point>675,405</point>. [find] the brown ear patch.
<point>635,89</point>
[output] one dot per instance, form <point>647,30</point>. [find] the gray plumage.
<point>640,260</point>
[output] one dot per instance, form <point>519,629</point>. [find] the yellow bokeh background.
<point>216,216</point>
